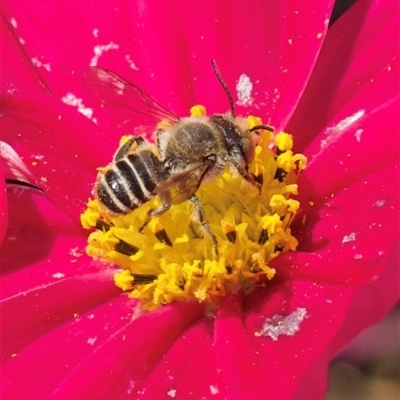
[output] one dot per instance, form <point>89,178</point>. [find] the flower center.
<point>170,259</point>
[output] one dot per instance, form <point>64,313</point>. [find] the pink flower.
<point>67,330</point>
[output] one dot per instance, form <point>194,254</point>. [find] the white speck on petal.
<point>286,325</point>
<point>349,238</point>
<point>243,89</point>
<point>171,393</point>
<point>22,41</point>
<point>95,32</point>
<point>131,386</point>
<point>334,132</point>
<point>13,22</point>
<point>10,90</point>
<point>75,252</point>
<point>58,275</point>
<point>37,63</point>
<point>73,101</point>
<point>131,63</point>
<point>275,98</point>
<point>358,134</point>
<point>358,256</point>
<point>90,316</point>
<point>380,203</point>
<point>100,49</point>
<point>319,35</point>
<point>92,340</point>
<point>214,390</point>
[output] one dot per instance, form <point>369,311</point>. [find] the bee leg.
<point>153,213</point>
<point>243,171</point>
<point>127,148</point>
<point>199,215</point>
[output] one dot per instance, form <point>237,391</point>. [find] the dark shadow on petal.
<point>340,7</point>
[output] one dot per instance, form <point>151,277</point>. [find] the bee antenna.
<point>265,127</point>
<point>225,86</point>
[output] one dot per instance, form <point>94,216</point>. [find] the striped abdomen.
<point>129,182</point>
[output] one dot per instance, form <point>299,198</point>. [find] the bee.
<point>190,151</point>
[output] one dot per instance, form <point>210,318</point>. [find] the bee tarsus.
<point>153,213</point>
<point>199,215</point>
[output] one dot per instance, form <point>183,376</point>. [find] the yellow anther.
<point>253,121</point>
<point>284,141</point>
<point>173,259</point>
<point>124,280</point>
<point>198,111</point>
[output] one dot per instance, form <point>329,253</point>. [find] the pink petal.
<point>343,89</point>
<point>117,366</point>
<point>70,307</point>
<point>359,222</point>
<point>18,71</point>
<point>367,306</point>
<point>351,200</point>
<point>188,369</point>
<point>37,370</point>
<point>335,313</point>
<point>242,369</point>
<point>61,147</point>
<point>288,356</point>
<point>46,275</point>
<point>3,207</point>
<point>351,154</point>
<point>152,57</point>
<point>269,52</point>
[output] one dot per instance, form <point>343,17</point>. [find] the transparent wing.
<point>115,91</point>
<point>182,186</point>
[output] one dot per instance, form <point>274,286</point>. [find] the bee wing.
<point>115,91</point>
<point>181,187</point>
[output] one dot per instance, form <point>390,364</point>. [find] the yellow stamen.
<point>253,121</point>
<point>198,111</point>
<point>124,280</point>
<point>284,141</point>
<point>169,260</point>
